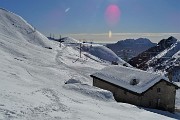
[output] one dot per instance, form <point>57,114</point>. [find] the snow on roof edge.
<point>135,89</point>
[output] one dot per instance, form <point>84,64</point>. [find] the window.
<point>125,92</point>
<point>158,90</point>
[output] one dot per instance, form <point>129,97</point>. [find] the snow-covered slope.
<point>167,61</point>
<point>102,53</point>
<point>13,26</point>
<point>53,84</point>
<point>172,52</point>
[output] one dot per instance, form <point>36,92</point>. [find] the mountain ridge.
<point>164,57</point>
<point>130,48</point>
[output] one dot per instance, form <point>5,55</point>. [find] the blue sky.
<point>89,16</point>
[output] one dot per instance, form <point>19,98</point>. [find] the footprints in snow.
<point>55,105</point>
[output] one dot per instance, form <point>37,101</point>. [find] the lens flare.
<point>110,34</point>
<point>112,14</point>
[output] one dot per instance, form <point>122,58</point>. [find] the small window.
<point>125,92</point>
<point>158,90</point>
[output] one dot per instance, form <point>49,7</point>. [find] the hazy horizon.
<point>104,37</point>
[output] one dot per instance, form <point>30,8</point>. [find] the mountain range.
<point>129,48</point>
<point>164,58</point>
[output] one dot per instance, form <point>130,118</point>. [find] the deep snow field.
<point>37,83</point>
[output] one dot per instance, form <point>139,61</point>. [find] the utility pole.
<point>91,44</point>
<point>60,40</point>
<point>80,49</point>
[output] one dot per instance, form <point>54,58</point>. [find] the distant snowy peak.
<point>14,26</point>
<point>167,42</point>
<point>168,58</point>
<point>167,61</point>
<point>171,51</point>
<point>159,50</point>
<point>129,48</point>
<point>164,58</point>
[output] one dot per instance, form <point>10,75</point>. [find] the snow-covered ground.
<point>54,84</point>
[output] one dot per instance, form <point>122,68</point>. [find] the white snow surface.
<point>123,76</point>
<point>97,50</point>
<point>32,80</point>
<point>105,53</point>
<point>14,27</point>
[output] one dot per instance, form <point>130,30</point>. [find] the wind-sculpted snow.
<point>105,53</point>
<point>15,27</point>
<point>72,81</point>
<point>90,91</point>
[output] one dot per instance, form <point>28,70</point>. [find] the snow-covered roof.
<point>124,76</point>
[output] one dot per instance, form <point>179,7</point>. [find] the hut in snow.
<point>137,87</point>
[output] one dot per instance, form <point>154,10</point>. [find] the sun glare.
<point>112,14</point>
<point>110,34</point>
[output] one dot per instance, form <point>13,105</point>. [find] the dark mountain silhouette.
<point>129,48</point>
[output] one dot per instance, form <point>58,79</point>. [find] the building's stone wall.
<point>164,99</point>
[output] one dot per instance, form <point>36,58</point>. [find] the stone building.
<point>137,87</point>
